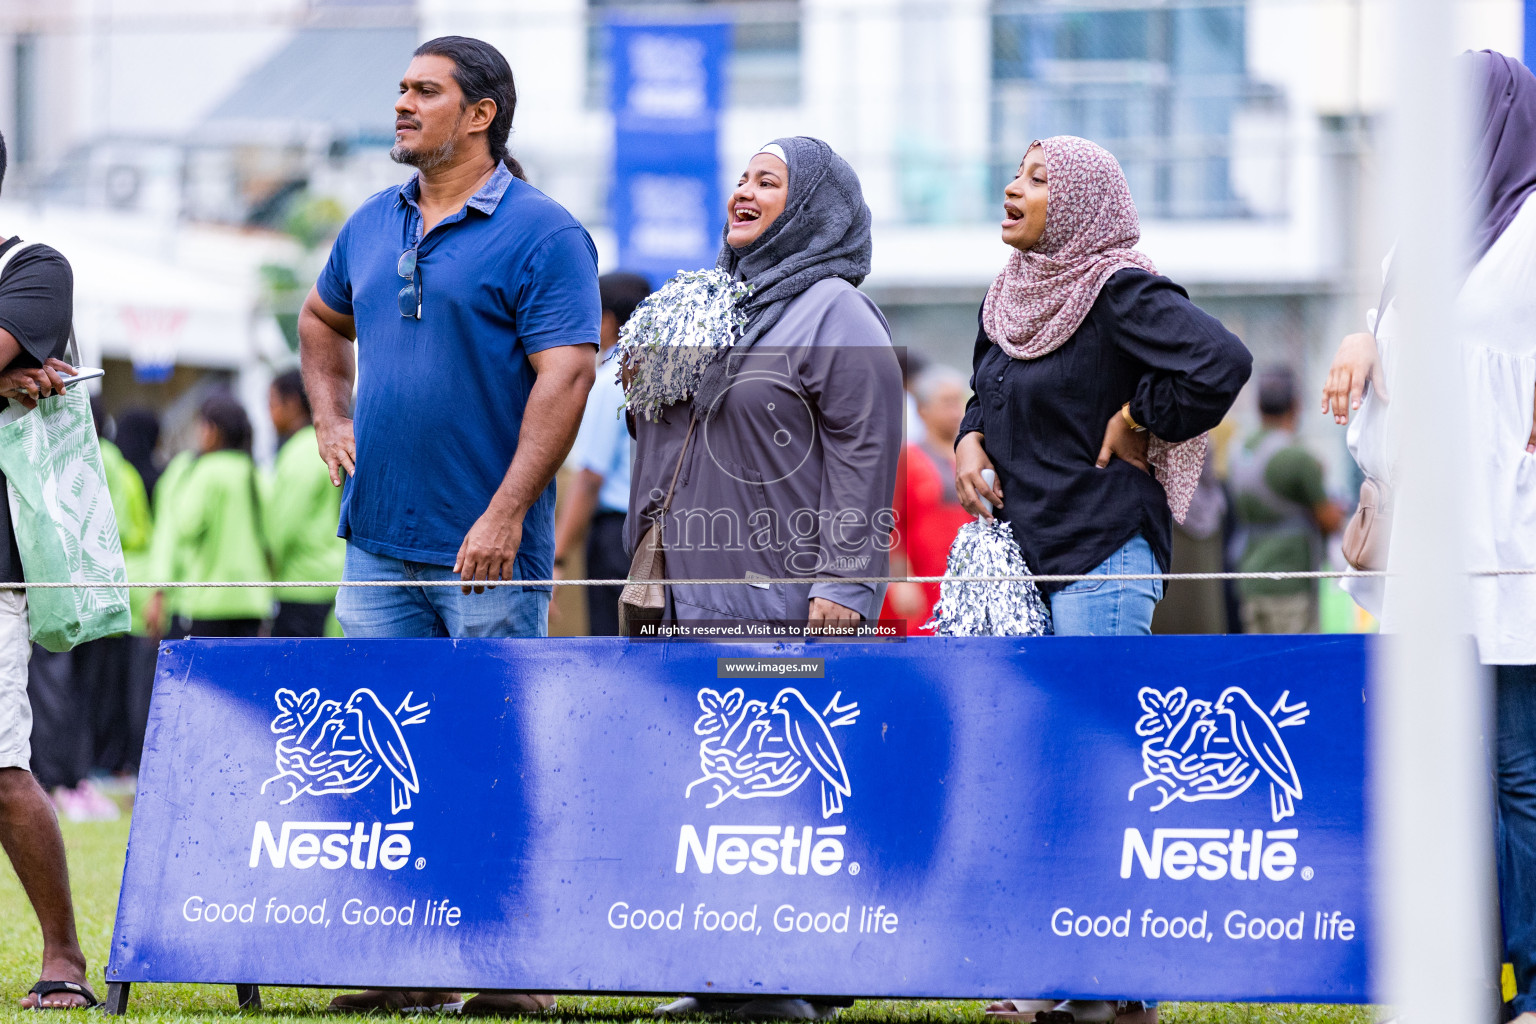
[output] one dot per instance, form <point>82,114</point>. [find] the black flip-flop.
<point>44,989</point>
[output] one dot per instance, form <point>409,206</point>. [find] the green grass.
<point>96,867</point>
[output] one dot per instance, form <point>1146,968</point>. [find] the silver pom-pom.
<point>673,335</point>
<point>968,607</point>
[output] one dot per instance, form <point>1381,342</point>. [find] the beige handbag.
<point>643,599</point>
<point>1369,530</point>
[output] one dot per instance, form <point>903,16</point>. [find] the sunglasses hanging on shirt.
<point>410,295</point>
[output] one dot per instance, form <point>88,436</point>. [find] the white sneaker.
<point>689,1005</point>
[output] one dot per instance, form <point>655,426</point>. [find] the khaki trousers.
<point>1280,613</point>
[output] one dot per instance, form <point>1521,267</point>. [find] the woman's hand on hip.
<point>970,460</point>
<point>1357,361</point>
<point>1122,441</point>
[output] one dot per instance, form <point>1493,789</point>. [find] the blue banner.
<point>666,93</point>
<point>1530,33</point>
<point>1167,817</point>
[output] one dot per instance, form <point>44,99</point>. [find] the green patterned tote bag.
<point>62,514</point>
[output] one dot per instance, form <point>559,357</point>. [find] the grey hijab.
<point>823,232</point>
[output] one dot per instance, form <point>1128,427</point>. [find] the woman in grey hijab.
<point>796,428</point>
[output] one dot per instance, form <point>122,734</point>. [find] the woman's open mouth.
<point>744,215</point>
<point>1011,215</point>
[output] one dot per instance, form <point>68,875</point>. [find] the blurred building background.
<point>194,157</point>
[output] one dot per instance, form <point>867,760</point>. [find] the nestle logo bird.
<point>756,749</point>
<point>328,747</point>
<point>1199,750</point>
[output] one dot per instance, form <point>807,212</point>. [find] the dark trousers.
<point>1515,759</point>
<point>143,653</point>
<point>101,675</point>
<point>61,721</point>
<point>296,618</point>
<point>224,627</point>
<point>606,560</point>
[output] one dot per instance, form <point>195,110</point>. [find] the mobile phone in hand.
<point>82,373</point>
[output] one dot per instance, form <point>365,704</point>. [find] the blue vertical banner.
<point>666,95</point>
<point>1530,33</point>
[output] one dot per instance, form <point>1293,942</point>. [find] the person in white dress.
<point>1496,314</point>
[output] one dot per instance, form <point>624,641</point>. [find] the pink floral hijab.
<point>1043,296</point>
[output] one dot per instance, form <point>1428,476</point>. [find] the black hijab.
<point>1505,131</point>
<point>823,232</point>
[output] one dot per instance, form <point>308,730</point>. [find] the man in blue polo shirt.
<point>473,298</point>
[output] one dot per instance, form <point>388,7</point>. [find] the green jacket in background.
<point>164,558</point>
<point>130,504</point>
<point>208,530</point>
<point>1276,484</point>
<point>300,513</point>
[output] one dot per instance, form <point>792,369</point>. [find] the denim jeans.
<point>1515,757</point>
<point>397,612</point>
<point>1111,607</point>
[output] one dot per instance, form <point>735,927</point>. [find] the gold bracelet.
<point>1130,421</point>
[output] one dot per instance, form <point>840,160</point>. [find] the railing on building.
<point>1164,86</point>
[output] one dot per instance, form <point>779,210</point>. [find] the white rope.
<point>1320,574</point>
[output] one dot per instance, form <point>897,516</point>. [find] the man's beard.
<point>425,160</point>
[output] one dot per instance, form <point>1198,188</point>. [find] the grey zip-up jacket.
<point>794,475</point>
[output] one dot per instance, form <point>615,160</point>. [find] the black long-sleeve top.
<point>1043,419</point>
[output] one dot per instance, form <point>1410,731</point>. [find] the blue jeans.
<point>1515,757</point>
<point>399,612</point>
<point>1111,607</point>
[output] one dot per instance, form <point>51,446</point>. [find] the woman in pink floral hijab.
<point>1095,380</point>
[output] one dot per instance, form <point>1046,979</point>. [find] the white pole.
<point>1435,925</point>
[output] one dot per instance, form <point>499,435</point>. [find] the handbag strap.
<point>666,504</point>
